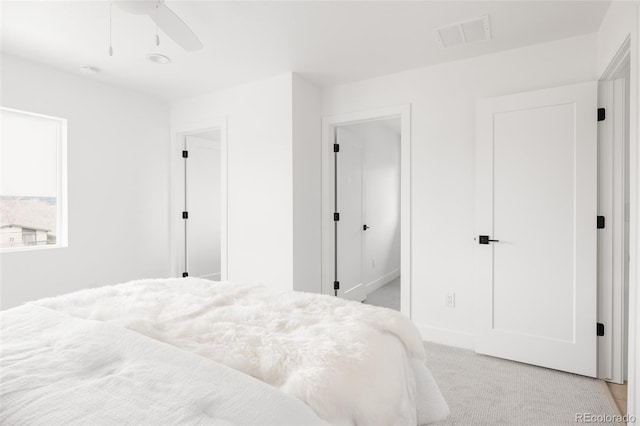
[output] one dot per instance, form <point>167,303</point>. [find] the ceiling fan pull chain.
<point>157,21</point>
<point>110,30</point>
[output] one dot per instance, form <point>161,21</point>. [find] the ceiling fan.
<point>165,19</point>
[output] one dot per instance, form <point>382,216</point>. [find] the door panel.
<point>537,195</point>
<point>349,197</point>
<point>533,213</point>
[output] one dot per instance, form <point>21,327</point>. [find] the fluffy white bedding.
<point>351,363</point>
<point>60,370</point>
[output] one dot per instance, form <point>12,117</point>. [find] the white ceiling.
<point>328,42</point>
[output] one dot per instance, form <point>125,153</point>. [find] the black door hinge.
<point>599,329</point>
<point>185,274</point>
<point>336,285</point>
<point>600,222</point>
<point>336,217</point>
<point>336,147</point>
<point>601,114</point>
<point>185,154</point>
<point>185,215</point>
<point>484,239</point>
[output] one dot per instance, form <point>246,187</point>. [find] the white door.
<point>536,174</point>
<point>349,244</point>
<point>203,205</point>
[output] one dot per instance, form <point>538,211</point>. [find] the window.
<point>33,181</point>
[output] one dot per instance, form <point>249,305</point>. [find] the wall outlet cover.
<point>450,300</point>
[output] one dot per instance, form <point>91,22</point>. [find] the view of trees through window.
<point>30,180</point>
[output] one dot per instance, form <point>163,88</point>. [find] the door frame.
<point>329,123</point>
<point>630,44</point>
<point>176,193</point>
<point>611,264</point>
<point>356,292</point>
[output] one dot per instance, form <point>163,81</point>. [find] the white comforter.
<point>351,363</point>
<point>60,370</point>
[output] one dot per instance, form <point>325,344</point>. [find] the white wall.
<point>117,180</point>
<point>273,178</point>
<point>619,23</point>
<point>265,202</point>
<point>380,141</point>
<point>443,100</point>
<point>306,186</point>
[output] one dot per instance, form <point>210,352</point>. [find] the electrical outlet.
<point>450,300</point>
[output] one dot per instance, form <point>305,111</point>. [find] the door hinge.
<point>484,239</point>
<point>600,222</point>
<point>601,114</point>
<point>336,285</point>
<point>599,329</point>
<point>185,215</point>
<point>336,147</point>
<point>336,217</point>
<point>185,154</point>
<point>185,274</point>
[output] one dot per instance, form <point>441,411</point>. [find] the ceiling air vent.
<point>477,29</point>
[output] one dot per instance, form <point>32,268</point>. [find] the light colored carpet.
<point>482,390</point>
<point>387,296</point>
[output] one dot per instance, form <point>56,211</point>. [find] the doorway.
<point>199,201</point>
<point>367,187</point>
<point>366,203</point>
<point>202,205</point>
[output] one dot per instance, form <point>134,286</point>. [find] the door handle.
<point>365,227</point>
<point>484,239</point>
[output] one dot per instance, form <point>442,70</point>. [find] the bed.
<point>61,370</point>
<point>349,363</point>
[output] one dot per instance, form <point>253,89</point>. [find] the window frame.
<point>62,231</point>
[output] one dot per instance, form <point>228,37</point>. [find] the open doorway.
<point>202,204</point>
<point>366,200</point>
<point>367,187</point>
<point>199,201</point>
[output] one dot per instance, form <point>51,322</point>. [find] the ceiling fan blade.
<point>176,29</point>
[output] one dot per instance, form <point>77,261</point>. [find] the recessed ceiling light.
<point>89,70</point>
<point>158,58</point>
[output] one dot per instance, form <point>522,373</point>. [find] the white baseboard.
<point>213,277</point>
<point>387,278</point>
<point>443,336</point>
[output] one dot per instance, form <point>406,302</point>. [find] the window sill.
<point>32,248</point>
